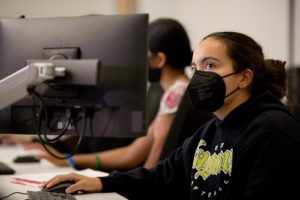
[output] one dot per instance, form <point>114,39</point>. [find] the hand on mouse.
<point>82,183</point>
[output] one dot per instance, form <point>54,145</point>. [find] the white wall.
<point>54,8</point>
<point>297,34</point>
<point>264,20</point>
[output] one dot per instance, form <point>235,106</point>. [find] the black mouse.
<point>59,188</point>
<point>26,159</point>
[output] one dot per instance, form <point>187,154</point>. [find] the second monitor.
<point>112,107</point>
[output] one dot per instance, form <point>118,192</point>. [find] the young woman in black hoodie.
<point>250,150</point>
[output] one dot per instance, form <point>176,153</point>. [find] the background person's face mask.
<point>207,90</point>
<point>154,75</point>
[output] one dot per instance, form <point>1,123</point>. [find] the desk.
<point>7,153</point>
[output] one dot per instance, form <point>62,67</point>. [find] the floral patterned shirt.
<point>172,97</point>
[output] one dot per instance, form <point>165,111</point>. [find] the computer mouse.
<point>26,159</point>
<point>59,188</point>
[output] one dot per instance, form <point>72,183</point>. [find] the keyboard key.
<point>39,195</point>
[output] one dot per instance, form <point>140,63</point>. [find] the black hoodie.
<point>254,153</point>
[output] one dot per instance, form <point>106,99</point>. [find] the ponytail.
<point>276,77</point>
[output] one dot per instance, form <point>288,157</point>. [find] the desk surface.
<point>7,153</point>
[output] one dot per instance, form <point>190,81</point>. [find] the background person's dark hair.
<point>247,53</point>
<point>169,36</point>
<point>276,77</point>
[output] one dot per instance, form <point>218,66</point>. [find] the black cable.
<point>13,194</point>
<point>38,131</point>
<point>43,107</point>
<point>63,131</point>
<point>74,149</point>
<point>36,114</point>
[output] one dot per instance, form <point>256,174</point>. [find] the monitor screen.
<point>293,73</point>
<point>104,90</point>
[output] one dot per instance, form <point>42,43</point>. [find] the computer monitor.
<point>105,100</point>
<point>293,73</point>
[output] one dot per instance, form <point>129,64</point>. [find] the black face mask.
<point>207,90</point>
<point>154,75</point>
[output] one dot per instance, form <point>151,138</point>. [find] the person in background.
<point>169,53</point>
<point>251,148</point>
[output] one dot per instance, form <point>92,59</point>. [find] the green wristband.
<point>98,162</point>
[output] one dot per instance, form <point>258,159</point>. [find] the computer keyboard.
<point>39,195</point>
<point>5,169</point>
